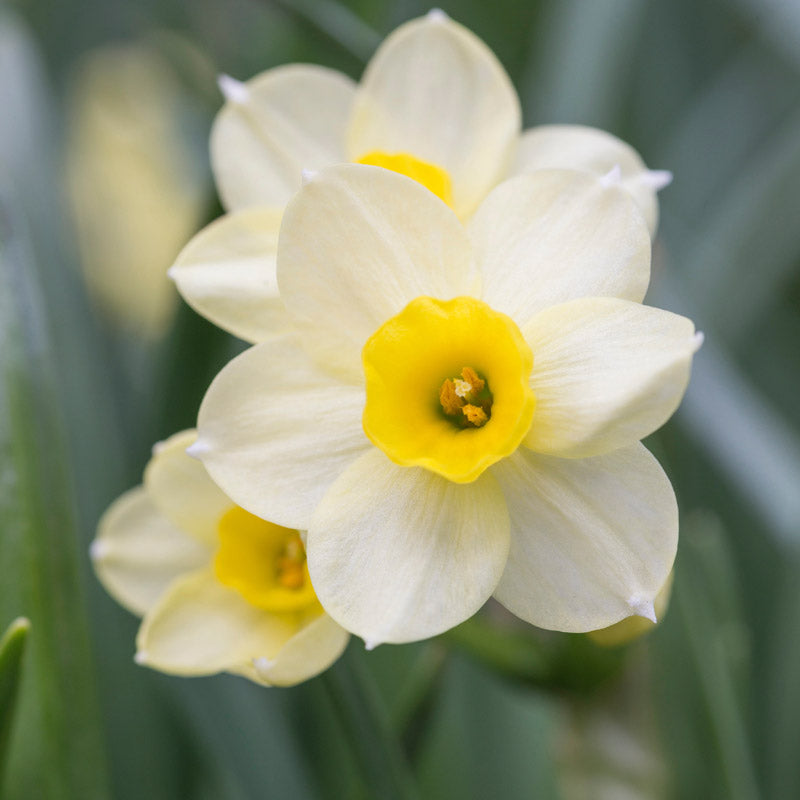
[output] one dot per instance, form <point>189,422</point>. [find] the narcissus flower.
<point>219,589</point>
<point>453,412</point>
<point>434,104</point>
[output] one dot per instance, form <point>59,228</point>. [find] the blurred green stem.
<point>12,647</point>
<point>368,729</point>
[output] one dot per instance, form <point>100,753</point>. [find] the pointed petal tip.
<point>613,177</point>
<point>656,179</point>
<point>171,273</point>
<point>436,15</point>
<point>697,340</point>
<point>232,90</point>
<point>642,607</point>
<point>140,657</point>
<point>308,175</point>
<point>98,549</point>
<point>263,664</point>
<point>371,644</point>
<point>197,449</point>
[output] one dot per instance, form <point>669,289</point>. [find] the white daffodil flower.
<point>434,104</point>
<point>453,412</point>
<point>219,589</point>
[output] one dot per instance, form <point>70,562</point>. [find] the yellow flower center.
<point>431,176</point>
<point>426,408</point>
<point>264,562</point>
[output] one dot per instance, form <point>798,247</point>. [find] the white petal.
<point>200,627</point>
<point>593,150</point>
<point>276,431</point>
<point>436,91</point>
<point>555,235</point>
<point>138,552</point>
<point>357,244</point>
<point>590,537</point>
<point>606,373</point>
<point>182,490</point>
<point>398,553</point>
<point>310,651</point>
<point>281,122</point>
<point>227,272</point>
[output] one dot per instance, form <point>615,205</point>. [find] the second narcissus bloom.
<point>219,589</point>
<point>434,103</point>
<point>453,412</point>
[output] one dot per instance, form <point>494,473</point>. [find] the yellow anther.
<point>471,377</point>
<point>475,415</point>
<point>451,402</point>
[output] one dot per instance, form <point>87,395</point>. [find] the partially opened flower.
<point>434,104</point>
<point>456,412</point>
<point>219,589</point>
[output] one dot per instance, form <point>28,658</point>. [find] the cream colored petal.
<point>227,272</point>
<point>592,540</point>
<point>436,91</point>
<point>398,554</point>
<point>275,431</point>
<point>200,627</point>
<point>583,148</point>
<point>138,552</point>
<point>606,373</point>
<point>182,490</point>
<point>357,244</point>
<point>556,235</point>
<point>310,651</point>
<point>274,126</point>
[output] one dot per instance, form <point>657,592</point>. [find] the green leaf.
<point>12,647</point>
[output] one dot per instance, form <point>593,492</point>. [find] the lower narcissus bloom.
<point>434,103</point>
<point>455,412</point>
<point>219,589</point>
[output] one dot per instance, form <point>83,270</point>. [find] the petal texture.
<point>275,431</point>
<point>592,540</point>
<point>583,148</point>
<point>182,490</point>
<point>279,123</point>
<point>434,90</point>
<point>227,272</point>
<point>555,235</point>
<point>138,552</point>
<point>310,651</point>
<point>200,627</point>
<point>606,373</point>
<point>398,553</point>
<point>357,244</point>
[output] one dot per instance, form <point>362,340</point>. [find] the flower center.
<point>425,408</point>
<point>431,176</point>
<point>264,562</point>
<point>466,400</point>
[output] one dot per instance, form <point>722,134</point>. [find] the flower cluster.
<point>451,374</point>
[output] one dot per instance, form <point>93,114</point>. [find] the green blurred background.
<point>104,174</point>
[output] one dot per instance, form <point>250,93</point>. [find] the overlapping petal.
<point>182,491</point>
<point>275,431</point>
<point>138,552</point>
<point>398,553</point>
<point>583,148</point>
<point>274,126</point>
<point>556,235</point>
<point>606,373</point>
<point>357,244</point>
<point>433,89</point>
<point>227,272</point>
<point>592,540</point>
<point>310,651</point>
<point>200,627</point>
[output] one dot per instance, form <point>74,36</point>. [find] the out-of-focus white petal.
<point>606,373</point>
<point>593,150</point>
<point>592,540</point>
<point>556,235</point>
<point>227,272</point>
<point>310,651</point>
<point>275,431</point>
<point>274,126</point>
<point>357,244</point>
<point>138,552</point>
<point>398,553</point>
<point>434,90</point>
<point>200,627</point>
<point>182,490</point>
